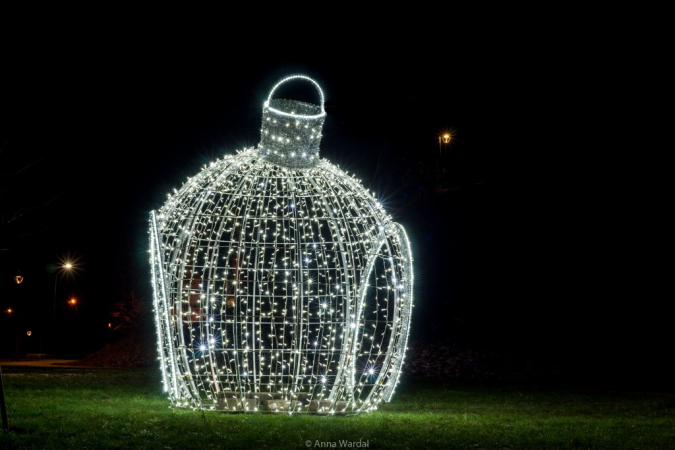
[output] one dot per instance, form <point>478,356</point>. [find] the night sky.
<point>515,250</point>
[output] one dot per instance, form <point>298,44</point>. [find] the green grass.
<point>98,409</point>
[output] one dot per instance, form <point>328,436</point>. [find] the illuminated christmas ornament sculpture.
<point>280,282</point>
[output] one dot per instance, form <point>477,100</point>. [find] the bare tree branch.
<point>19,213</point>
<point>19,199</point>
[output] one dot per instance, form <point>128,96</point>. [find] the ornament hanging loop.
<point>299,77</point>
<point>291,129</point>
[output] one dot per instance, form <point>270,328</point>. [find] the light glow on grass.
<point>98,408</point>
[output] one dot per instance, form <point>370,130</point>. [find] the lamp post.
<point>443,139</point>
<point>66,266</point>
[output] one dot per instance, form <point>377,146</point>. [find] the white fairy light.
<point>280,282</point>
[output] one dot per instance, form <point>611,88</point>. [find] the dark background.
<point>527,237</point>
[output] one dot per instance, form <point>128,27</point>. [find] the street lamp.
<point>66,266</point>
<point>443,139</point>
<point>73,304</point>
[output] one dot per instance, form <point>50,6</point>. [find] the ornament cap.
<point>291,129</point>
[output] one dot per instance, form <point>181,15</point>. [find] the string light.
<point>280,282</point>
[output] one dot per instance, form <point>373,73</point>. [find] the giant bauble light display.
<point>280,282</point>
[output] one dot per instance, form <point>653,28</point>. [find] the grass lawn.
<point>97,409</point>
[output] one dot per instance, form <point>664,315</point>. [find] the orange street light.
<point>18,279</point>
<point>444,138</point>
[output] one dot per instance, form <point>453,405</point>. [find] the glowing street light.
<point>444,138</point>
<point>73,302</point>
<point>67,266</point>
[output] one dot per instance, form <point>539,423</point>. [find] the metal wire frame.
<point>274,280</point>
<point>280,282</point>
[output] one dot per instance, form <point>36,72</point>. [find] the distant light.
<point>18,279</point>
<point>29,333</point>
<point>67,266</point>
<point>446,138</point>
<point>9,310</point>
